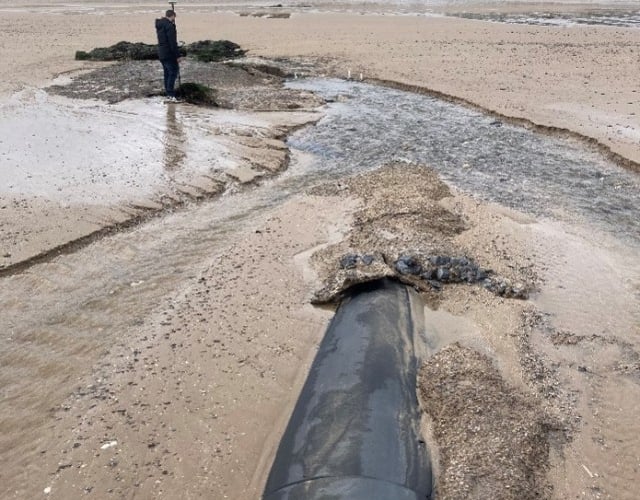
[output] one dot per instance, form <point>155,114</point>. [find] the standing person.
<point>168,52</point>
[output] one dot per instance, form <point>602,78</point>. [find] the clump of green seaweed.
<point>121,51</point>
<point>214,51</point>
<point>196,93</point>
<point>204,50</point>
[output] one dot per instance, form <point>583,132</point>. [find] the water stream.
<point>530,172</point>
<point>76,306</point>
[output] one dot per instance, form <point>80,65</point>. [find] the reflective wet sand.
<point>71,168</point>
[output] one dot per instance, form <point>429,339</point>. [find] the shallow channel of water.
<point>510,165</point>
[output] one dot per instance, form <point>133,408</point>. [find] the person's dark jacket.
<point>167,40</point>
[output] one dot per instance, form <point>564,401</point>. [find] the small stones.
<point>407,264</point>
<point>108,445</point>
<point>440,260</point>
<point>504,288</point>
<point>436,285</point>
<point>63,465</point>
<point>350,260</point>
<point>446,269</point>
<point>437,270</point>
<point>443,274</point>
<point>367,260</point>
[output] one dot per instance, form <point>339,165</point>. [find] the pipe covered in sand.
<point>354,432</point>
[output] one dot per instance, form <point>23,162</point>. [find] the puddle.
<point>85,152</point>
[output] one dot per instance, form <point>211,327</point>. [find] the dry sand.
<point>191,403</point>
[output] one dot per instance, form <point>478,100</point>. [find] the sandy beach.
<point>159,263</point>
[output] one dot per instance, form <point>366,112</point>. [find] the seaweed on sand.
<point>204,50</point>
<point>196,93</point>
<point>121,51</point>
<point>213,51</point>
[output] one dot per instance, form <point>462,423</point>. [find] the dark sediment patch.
<point>236,83</point>
<point>267,14</point>
<point>232,86</point>
<point>492,439</point>
<point>214,51</point>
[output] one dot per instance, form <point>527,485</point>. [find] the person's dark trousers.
<point>171,70</point>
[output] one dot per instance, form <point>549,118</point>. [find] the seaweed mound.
<point>214,51</point>
<point>204,50</point>
<point>196,93</point>
<point>121,51</point>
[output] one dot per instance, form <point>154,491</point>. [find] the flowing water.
<point>510,165</point>
<point>76,306</point>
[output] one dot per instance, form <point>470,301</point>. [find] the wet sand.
<point>190,399</point>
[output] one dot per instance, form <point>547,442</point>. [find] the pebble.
<point>367,260</point>
<point>406,264</point>
<point>350,260</point>
<point>440,269</point>
<point>110,444</point>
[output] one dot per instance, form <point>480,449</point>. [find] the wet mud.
<point>254,84</point>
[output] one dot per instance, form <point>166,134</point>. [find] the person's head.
<point>170,14</point>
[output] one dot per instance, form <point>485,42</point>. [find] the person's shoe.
<point>172,99</point>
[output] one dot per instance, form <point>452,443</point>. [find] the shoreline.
<point>449,56</point>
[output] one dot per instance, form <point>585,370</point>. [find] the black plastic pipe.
<point>354,432</point>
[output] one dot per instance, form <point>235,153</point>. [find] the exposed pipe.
<point>354,432</point>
